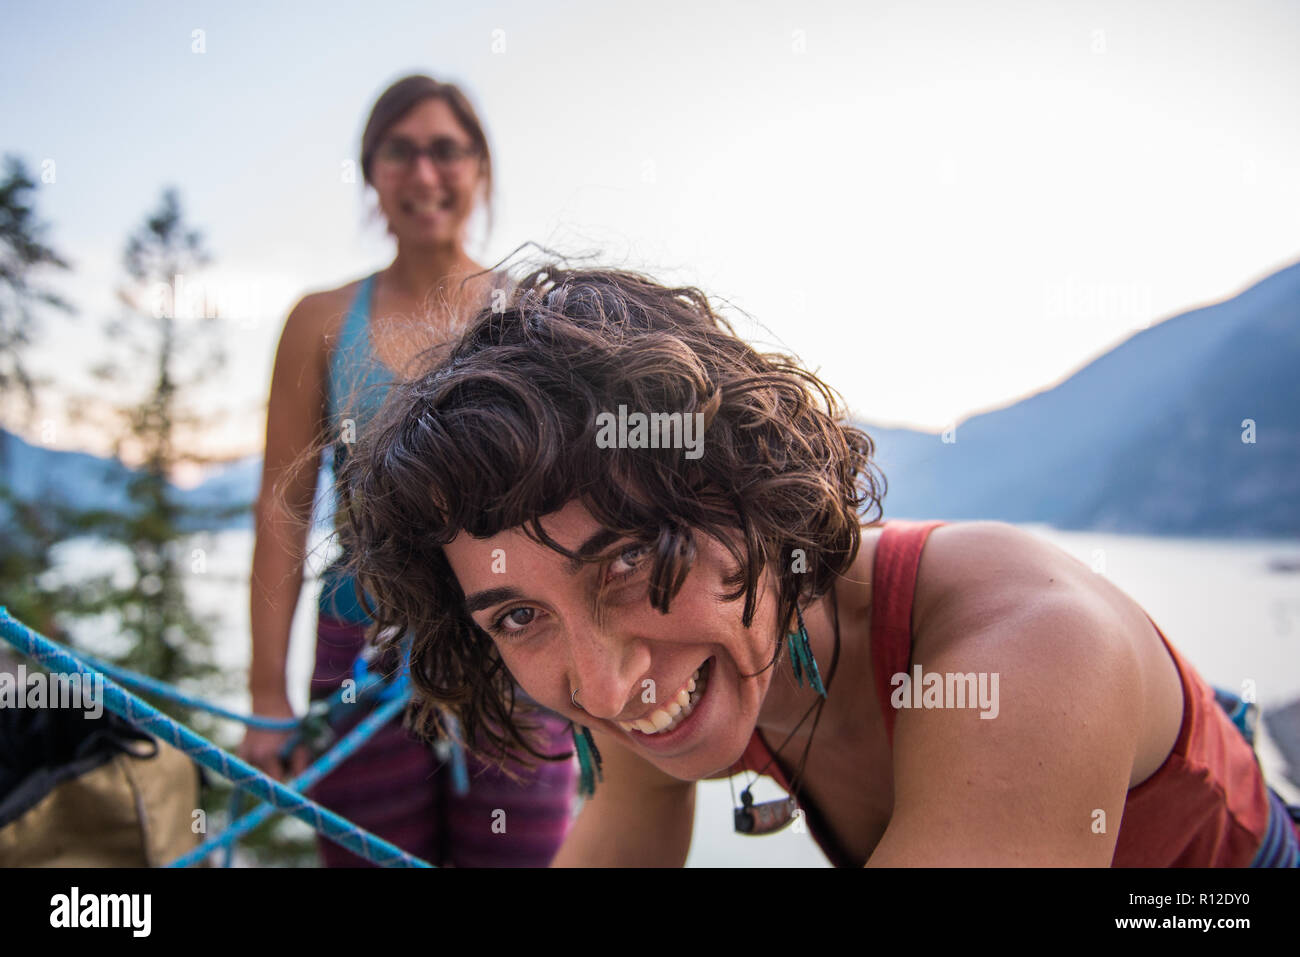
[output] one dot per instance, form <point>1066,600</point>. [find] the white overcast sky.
<point>942,206</point>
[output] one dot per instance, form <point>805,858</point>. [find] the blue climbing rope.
<point>243,775</point>
<point>153,686</point>
<point>341,751</point>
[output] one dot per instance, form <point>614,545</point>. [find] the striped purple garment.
<point>396,787</point>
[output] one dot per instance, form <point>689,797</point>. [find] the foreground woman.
<point>607,496</point>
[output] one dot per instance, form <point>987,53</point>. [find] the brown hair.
<point>503,432</point>
<point>408,92</point>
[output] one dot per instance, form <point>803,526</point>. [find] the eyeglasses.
<point>444,152</point>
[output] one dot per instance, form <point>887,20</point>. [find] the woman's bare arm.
<point>295,412</point>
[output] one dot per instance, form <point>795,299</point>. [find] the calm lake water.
<point>1217,601</point>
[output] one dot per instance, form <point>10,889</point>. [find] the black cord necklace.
<point>769,816</point>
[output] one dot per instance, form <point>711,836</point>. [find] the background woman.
<point>426,156</point>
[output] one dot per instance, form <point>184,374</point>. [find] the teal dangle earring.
<point>589,763</point>
<point>801,658</point>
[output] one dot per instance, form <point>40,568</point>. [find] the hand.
<point>261,748</point>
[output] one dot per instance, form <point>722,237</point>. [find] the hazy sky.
<point>944,206</point>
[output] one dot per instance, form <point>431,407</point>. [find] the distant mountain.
<point>83,481</point>
<point>1148,438</point>
<point>78,479</point>
<point>88,482</point>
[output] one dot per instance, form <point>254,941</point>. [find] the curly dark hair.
<point>503,431</point>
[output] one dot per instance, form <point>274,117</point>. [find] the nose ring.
<point>573,696</point>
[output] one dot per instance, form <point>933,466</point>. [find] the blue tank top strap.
<point>352,363</point>
<point>354,389</point>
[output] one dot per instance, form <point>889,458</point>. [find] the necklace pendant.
<point>767,817</point>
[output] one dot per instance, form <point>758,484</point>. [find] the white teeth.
<point>427,207</point>
<point>674,713</point>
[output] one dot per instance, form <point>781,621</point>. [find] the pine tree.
<point>23,257</point>
<point>162,358</point>
<point>29,529</point>
<point>174,353</point>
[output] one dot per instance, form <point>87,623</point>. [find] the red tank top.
<point>1206,806</point>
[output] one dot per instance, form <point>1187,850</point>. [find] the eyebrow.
<point>494,596</point>
<point>596,543</point>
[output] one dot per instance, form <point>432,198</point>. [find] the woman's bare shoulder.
<point>1000,598</point>
<point>316,318</point>
<point>324,305</point>
<point>981,572</point>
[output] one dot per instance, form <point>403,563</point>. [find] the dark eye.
<point>397,151</point>
<point>628,561</point>
<point>447,150</point>
<point>510,624</point>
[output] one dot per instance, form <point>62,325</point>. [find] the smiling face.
<point>427,202</point>
<point>628,661</point>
